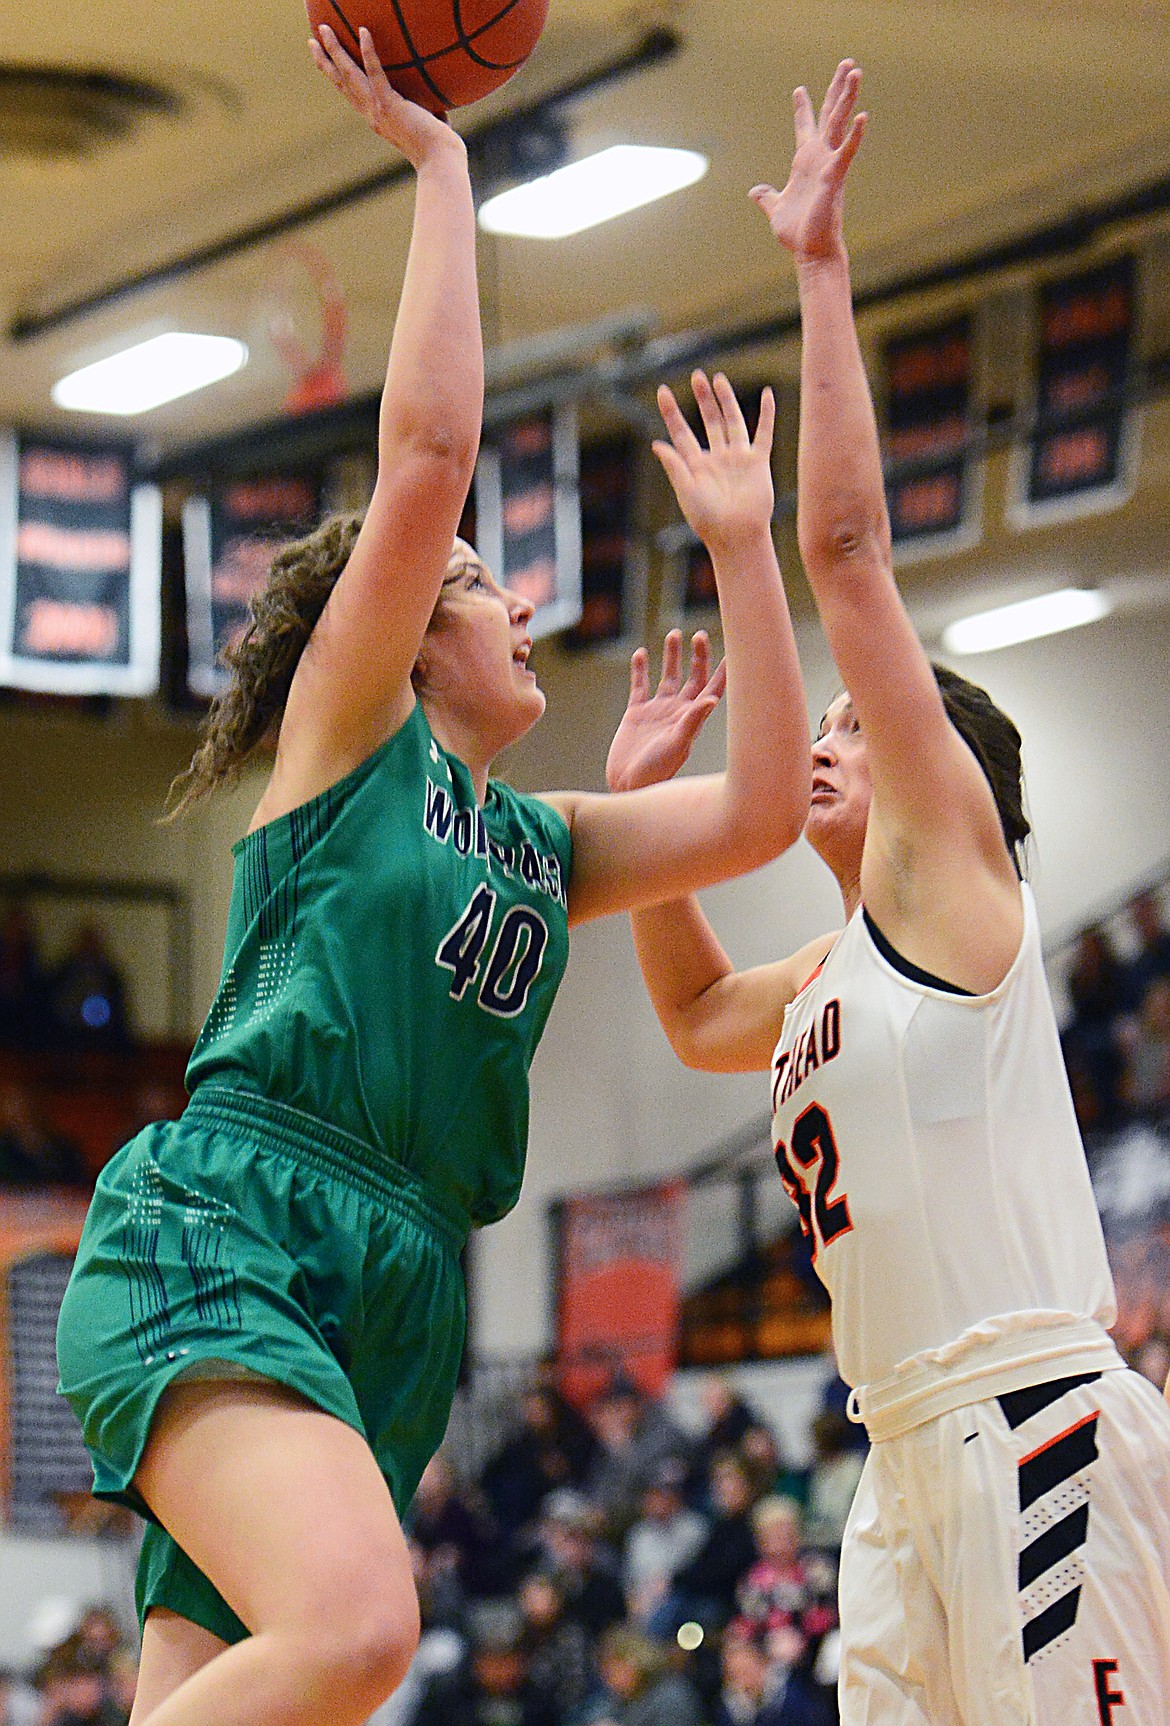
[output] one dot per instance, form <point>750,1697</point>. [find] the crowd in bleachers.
<point>1116,1041</point>
<point>603,1568</point>
<point>608,1567</point>
<point>79,1002</point>
<point>84,1673</point>
<point>1117,1037</point>
<point>75,1080</point>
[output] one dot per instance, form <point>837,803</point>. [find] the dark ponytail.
<point>996,745</point>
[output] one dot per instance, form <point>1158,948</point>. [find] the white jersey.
<point>929,1142</point>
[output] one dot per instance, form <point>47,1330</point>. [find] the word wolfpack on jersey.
<point>466,830</point>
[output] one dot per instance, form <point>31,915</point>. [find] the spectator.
<point>635,1433</point>
<point>1146,1081</point>
<point>31,1153</point>
<point>575,1437</point>
<point>728,1417</point>
<point>769,1470</point>
<point>837,1466</point>
<point>762,1689</point>
<point>542,1457</point>
<point>22,980</point>
<point>75,1689</point>
<point>704,1588</point>
<point>643,1687</point>
<point>1152,959</point>
<point>1094,1121</point>
<point>785,1590</point>
<point>667,1534</point>
<point>1152,1359</point>
<point>87,996</point>
<point>493,1687</point>
<point>99,1636</point>
<point>580,1561</point>
<point>453,1535</point>
<point>560,1664</point>
<point>1100,994</point>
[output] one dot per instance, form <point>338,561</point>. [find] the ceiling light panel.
<point>1047,614</point>
<point>594,190</point>
<point>156,371</point>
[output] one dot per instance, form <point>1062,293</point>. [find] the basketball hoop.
<point>319,378</point>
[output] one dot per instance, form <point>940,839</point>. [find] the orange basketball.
<point>440,53</point>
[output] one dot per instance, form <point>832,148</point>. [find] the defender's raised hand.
<point>366,88</point>
<point>807,215</point>
<point>657,731</point>
<point>724,491</point>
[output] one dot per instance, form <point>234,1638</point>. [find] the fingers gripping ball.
<point>439,53</point>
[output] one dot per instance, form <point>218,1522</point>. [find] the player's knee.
<point>370,1645</point>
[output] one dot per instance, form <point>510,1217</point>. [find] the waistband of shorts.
<point>989,1360</point>
<point>307,1139</point>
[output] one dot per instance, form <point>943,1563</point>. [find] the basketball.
<point>440,53</point>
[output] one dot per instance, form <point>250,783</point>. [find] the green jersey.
<point>392,954</point>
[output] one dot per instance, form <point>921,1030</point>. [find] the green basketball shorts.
<point>250,1238</point>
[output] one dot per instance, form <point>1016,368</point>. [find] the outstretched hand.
<point>657,731</point>
<point>724,491</point>
<point>807,215</point>
<point>413,130</point>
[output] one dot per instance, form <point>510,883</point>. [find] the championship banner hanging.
<point>229,537</point>
<point>932,478</point>
<point>528,514</point>
<point>607,541</point>
<point>80,569</point>
<point>619,1295</point>
<point>1081,454</point>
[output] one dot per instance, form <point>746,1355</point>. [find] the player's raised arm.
<point>649,845</point>
<point>353,682</point>
<point>715,1018</point>
<point>842,522</point>
<point>934,819</point>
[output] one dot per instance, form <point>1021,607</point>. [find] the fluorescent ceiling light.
<point>153,372</point>
<point>584,193</point>
<point>1047,614</point>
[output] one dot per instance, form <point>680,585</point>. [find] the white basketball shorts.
<point>1008,1564</point>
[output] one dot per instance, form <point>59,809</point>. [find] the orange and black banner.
<point>80,566</point>
<point>931,472</point>
<point>619,1291</point>
<point>1080,453</point>
<point>528,513</point>
<point>230,534</point>
<point>607,483</point>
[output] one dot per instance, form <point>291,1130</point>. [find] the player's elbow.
<point>443,447</point>
<point>431,475</point>
<point>686,1045</point>
<point>851,544</point>
<point>762,827</point>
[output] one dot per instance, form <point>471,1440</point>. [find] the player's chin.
<point>818,826</point>
<point>530,704</point>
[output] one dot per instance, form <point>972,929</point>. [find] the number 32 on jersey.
<point>516,954</point>
<point>809,1171</point>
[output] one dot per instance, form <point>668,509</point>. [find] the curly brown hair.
<point>262,662</point>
